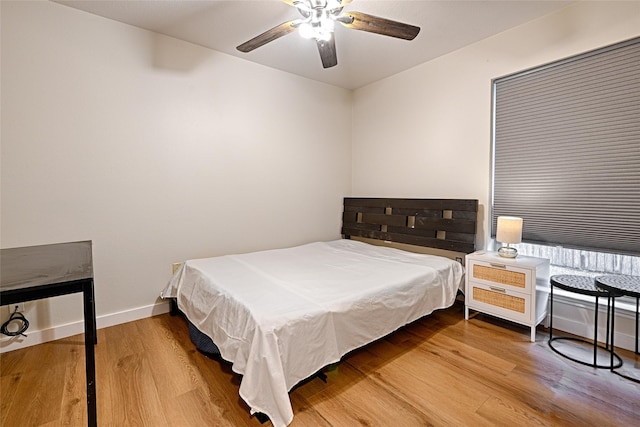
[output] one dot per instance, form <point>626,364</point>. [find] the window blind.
<point>566,150</point>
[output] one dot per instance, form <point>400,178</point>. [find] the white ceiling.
<point>363,58</point>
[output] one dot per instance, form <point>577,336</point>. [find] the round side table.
<point>585,286</point>
<point>620,285</point>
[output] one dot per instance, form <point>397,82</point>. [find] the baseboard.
<point>62,331</point>
<point>577,316</point>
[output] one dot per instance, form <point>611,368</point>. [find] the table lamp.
<point>509,230</point>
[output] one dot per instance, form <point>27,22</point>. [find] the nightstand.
<point>515,289</point>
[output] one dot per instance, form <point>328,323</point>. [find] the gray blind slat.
<point>567,150</point>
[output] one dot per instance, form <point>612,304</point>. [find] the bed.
<point>280,316</point>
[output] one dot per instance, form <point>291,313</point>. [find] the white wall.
<point>426,132</point>
<point>157,150</point>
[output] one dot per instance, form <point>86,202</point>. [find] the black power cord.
<point>15,317</point>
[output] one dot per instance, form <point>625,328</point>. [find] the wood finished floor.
<point>440,371</point>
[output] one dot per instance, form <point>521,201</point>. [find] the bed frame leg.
<point>173,309</point>
<point>261,417</point>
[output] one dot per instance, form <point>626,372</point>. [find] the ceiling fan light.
<point>327,24</point>
<point>306,30</point>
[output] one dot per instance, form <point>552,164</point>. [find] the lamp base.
<point>508,252</point>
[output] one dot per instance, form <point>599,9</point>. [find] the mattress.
<point>281,315</point>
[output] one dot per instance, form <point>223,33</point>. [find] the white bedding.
<point>281,315</point>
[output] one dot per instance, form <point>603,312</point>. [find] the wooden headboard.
<point>448,224</point>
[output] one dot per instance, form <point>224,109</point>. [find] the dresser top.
<point>520,260</point>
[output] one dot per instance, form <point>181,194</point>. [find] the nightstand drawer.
<point>500,301</point>
<point>515,278</point>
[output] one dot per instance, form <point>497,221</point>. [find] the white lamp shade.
<point>509,229</point>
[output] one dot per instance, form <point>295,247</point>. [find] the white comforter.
<point>281,315</point>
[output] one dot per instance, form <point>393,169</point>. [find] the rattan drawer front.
<point>497,299</point>
<point>504,276</point>
<point>500,302</point>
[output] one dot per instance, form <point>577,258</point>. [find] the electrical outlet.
<point>18,306</point>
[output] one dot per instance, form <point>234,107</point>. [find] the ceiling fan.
<point>318,22</point>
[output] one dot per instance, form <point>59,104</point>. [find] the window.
<point>566,158</point>
<point>568,261</point>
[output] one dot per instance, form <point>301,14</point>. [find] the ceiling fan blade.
<point>373,24</point>
<point>268,36</point>
<point>327,49</point>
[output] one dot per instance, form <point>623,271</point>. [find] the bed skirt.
<point>202,342</point>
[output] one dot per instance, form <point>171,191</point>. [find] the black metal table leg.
<point>637,315</point>
<point>617,286</point>
<point>586,286</point>
<point>90,340</point>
